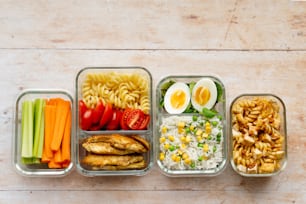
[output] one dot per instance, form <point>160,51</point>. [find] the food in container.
<point>114,115</point>
<point>258,135</point>
<point>191,130</point>
<point>43,142</point>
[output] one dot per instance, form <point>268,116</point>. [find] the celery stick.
<point>27,129</point>
<point>24,130</point>
<point>38,110</point>
<point>27,160</point>
<point>42,131</point>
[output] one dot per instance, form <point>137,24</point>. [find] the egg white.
<point>211,86</point>
<point>167,100</point>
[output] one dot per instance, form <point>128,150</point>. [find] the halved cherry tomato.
<point>135,118</point>
<point>86,119</point>
<point>82,108</point>
<point>107,115</point>
<point>97,112</point>
<point>113,124</point>
<point>144,123</point>
<point>123,121</point>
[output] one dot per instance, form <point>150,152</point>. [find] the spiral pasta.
<point>121,90</point>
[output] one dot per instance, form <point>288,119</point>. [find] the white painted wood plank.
<point>137,24</point>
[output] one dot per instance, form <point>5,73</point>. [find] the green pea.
<point>200,144</point>
<point>172,148</point>
<point>214,123</point>
<point>192,165</point>
<point>214,149</point>
<point>194,118</point>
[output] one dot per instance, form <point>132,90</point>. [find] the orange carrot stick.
<point>50,112</point>
<point>66,139</point>
<point>58,156</point>
<point>62,109</point>
<point>53,165</point>
<point>65,164</point>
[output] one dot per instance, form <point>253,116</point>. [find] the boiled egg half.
<point>177,98</point>
<point>204,94</point>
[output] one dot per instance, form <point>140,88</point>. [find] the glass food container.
<point>27,167</point>
<point>190,141</point>
<point>258,136</point>
<point>122,88</point>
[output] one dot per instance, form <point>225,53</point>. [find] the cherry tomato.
<point>123,121</point>
<point>97,112</point>
<point>107,115</point>
<point>135,118</point>
<point>82,107</point>
<point>86,119</point>
<point>114,123</point>
<point>144,123</point>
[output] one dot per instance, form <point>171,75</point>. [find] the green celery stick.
<point>38,113</point>
<point>27,129</point>
<point>42,131</point>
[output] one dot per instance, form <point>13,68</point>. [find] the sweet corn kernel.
<point>183,146</point>
<point>173,157</point>
<point>166,146</point>
<point>180,130</point>
<point>208,130</point>
<point>181,124</point>
<point>204,157</point>
<point>191,127</point>
<point>185,156</point>
<point>171,138</point>
<point>177,159</point>
<point>183,139</point>
<point>161,156</point>
<point>205,147</point>
<point>164,129</point>
<point>162,140</point>
<point>207,124</point>
<point>204,135</point>
<point>199,138</point>
<point>179,152</point>
<point>187,161</point>
<point>188,139</point>
<point>199,132</point>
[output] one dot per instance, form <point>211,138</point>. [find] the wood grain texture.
<point>137,24</point>
<point>280,73</point>
<point>252,46</point>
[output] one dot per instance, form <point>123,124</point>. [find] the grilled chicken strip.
<point>118,144</point>
<point>104,148</point>
<point>138,165</point>
<point>107,161</point>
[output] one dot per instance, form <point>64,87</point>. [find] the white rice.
<point>213,157</point>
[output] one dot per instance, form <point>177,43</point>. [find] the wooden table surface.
<point>253,46</point>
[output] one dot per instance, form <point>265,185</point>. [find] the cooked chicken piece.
<point>119,142</point>
<point>143,141</point>
<point>138,165</point>
<point>104,161</point>
<point>104,148</point>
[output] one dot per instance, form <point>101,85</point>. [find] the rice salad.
<point>191,142</point>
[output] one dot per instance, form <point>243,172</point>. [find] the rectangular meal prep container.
<point>38,170</point>
<point>82,135</point>
<point>161,113</point>
<point>265,146</point>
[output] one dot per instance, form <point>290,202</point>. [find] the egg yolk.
<point>178,99</point>
<point>202,95</point>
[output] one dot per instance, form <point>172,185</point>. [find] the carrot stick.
<point>66,139</point>
<point>50,111</point>
<point>62,109</point>
<point>65,164</point>
<point>53,165</point>
<point>58,156</point>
